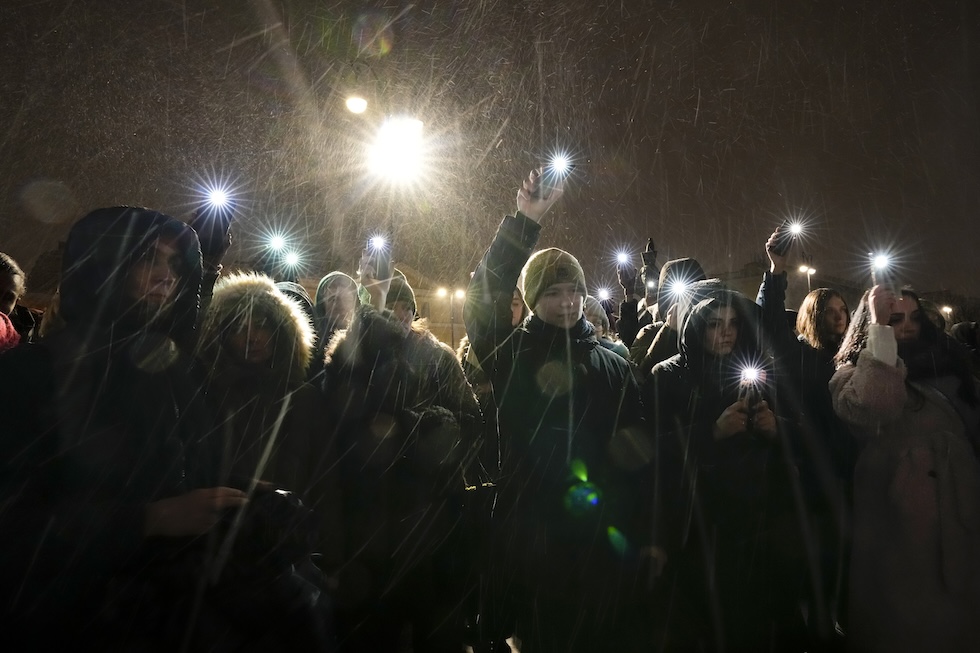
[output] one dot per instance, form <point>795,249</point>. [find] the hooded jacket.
<point>266,404</point>
<point>405,423</point>
<point>103,419</point>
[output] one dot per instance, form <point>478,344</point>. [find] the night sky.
<point>699,123</point>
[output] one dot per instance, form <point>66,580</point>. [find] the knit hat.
<point>400,290</point>
<point>546,268</point>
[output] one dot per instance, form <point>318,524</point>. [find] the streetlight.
<point>809,272</point>
<point>453,296</point>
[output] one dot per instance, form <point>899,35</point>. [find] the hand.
<point>193,513</point>
<point>671,318</point>
<point>377,288</point>
<point>529,204</point>
<point>763,420</point>
<point>777,261</point>
<point>733,420</point>
<point>626,274</point>
<point>882,303</point>
<point>213,229</point>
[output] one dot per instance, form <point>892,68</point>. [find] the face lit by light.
<point>906,321</point>
<point>252,341</point>
<point>722,331</point>
<point>835,318</point>
<point>560,305</point>
<point>152,280</point>
<point>11,288</point>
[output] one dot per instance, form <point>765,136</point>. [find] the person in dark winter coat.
<point>727,510</point>
<point>256,343</point>
<point>907,391</point>
<point>406,423</point>
<point>333,308</point>
<point>104,466</point>
<point>826,449</point>
<point>568,524</point>
<point>676,279</point>
<point>111,488</point>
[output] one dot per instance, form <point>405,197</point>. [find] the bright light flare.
<point>356,104</point>
<point>218,198</point>
<point>460,293</point>
<point>651,284</point>
<point>622,257</point>
<point>441,292</point>
<point>947,310</point>
<point>291,259</point>
<point>603,294</point>
<point>560,165</point>
<point>378,242</point>
<point>880,261</point>
<point>398,151</point>
<point>751,375</point>
<point>796,228</point>
<point>678,288</point>
<point>277,242</point>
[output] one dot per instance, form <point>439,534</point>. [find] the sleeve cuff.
<point>882,344</point>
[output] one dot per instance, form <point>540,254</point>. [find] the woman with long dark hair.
<point>906,390</point>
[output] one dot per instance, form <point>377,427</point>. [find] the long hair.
<point>856,338</point>
<point>809,321</point>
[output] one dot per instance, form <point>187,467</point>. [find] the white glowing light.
<point>460,294</point>
<point>604,294</point>
<point>651,284</point>
<point>291,259</point>
<point>441,292</point>
<point>397,153</point>
<point>679,287</point>
<point>804,268</point>
<point>796,228</point>
<point>622,257</point>
<point>947,309</point>
<point>356,104</point>
<point>880,262</point>
<point>378,242</point>
<point>811,271</point>
<point>218,198</point>
<point>751,374</point>
<point>277,242</point>
<point>560,164</point>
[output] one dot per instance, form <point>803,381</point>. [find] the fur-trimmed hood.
<point>243,295</point>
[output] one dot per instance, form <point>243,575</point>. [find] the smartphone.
<point>379,251</point>
<point>784,241</point>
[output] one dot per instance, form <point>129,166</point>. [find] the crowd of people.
<point>199,460</point>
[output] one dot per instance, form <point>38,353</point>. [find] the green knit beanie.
<point>546,268</point>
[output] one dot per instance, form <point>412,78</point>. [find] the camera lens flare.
<point>218,198</point>
<point>678,288</point>
<point>751,375</point>
<point>796,228</point>
<point>291,259</point>
<point>603,294</point>
<point>277,242</point>
<point>622,257</point>
<point>582,498</point>
<point>378,242</point>
<point>880,261</point>
<point>397,153</point>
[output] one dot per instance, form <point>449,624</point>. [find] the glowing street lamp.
<point>356,104</point>
<point>459,293</point>
<point>397,152</point>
